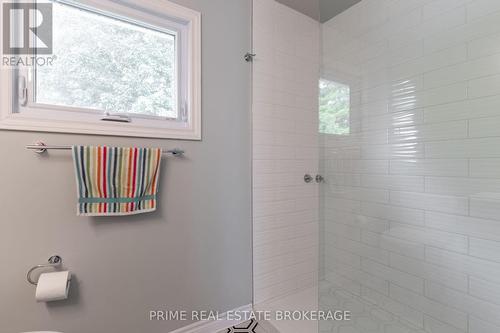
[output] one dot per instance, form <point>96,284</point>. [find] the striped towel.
<point>116,181</point>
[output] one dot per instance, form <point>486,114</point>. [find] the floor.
<point>305,300</point>
<point>251,326</point>
<point>366,317</point>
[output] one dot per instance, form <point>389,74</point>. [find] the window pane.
<point>334,107</point>
<point>107,64</point>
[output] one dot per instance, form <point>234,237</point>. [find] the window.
<point>118,69</point>
<point>131,71</point>
<point>334,107</point>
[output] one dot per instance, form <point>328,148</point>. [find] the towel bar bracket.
<point>40,150</point>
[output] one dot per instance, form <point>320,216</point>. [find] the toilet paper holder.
<point>54,261</point>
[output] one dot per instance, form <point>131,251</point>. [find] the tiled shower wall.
<point>412,201</point>
<point>285,147</point>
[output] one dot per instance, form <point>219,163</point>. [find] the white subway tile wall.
<point>285,147</point>
<point>410,211</point>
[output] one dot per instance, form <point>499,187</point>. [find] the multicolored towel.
<point>116,181</point>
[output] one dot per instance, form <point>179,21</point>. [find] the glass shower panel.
<point>285,208</point>
<point>409,128</point>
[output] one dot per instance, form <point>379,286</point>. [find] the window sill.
<point>137,128</point>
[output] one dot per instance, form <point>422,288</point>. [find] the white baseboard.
<point>213,326</point>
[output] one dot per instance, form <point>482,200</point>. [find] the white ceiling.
<point>321,10</point>
<point>308,7</point>
<point>331,8</point>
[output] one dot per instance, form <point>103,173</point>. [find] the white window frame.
<point>48,118</point>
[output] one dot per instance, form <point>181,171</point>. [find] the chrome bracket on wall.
<point>249,56</point>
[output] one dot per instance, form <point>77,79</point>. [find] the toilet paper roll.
<point>53,286</point>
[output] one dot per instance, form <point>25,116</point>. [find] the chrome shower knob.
<point>308,178</point>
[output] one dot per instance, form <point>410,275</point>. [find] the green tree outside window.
<point>334,107</point>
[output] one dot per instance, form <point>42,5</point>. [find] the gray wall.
<point>193,253</point>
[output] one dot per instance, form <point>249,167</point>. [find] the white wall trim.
<point>213,326</point>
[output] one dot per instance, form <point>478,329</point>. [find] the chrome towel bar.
<point>40,148</point>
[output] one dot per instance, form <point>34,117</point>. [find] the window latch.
<point>22,91</point>
<point>117,117</point>
<point>184,111</point>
